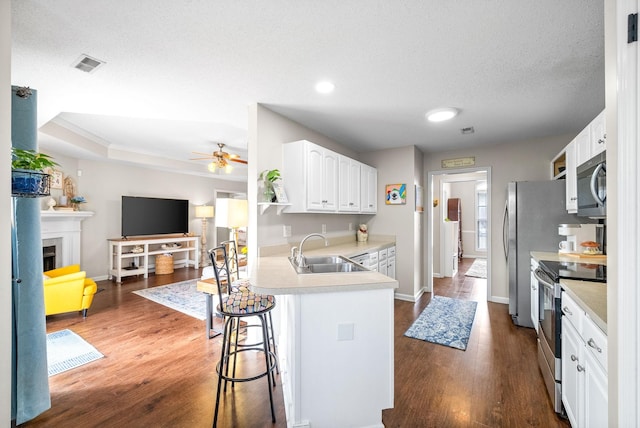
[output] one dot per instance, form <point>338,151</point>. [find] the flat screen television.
<point>154,216</point>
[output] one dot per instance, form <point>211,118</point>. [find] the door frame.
<point>430,225</point>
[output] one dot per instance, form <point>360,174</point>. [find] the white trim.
<point>624,364</point>
<point>430,208</point>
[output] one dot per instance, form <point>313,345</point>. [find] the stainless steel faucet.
<point>296,252</point>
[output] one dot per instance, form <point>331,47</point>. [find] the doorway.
<point>475,231</point>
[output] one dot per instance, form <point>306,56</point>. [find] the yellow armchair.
<point>67,289</point>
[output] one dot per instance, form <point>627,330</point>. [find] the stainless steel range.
<point>548,275</point>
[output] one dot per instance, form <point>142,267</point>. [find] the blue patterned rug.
<point>445,321</point>
<point>66,350</point>
<point>180,296</point>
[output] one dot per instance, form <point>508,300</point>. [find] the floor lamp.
<point>233,214</point>
<point>204,212</point>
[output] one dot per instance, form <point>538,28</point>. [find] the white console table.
<point>125,261</point>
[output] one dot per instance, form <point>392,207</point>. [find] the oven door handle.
<point>542,278</point>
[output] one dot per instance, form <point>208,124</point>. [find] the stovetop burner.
<point>574,270</point>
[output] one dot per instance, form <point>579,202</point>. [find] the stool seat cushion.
<point>247,302</point>
<point>241,285</point>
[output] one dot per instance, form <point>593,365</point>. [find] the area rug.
<point>478,269</point>
<point>66,350</point>
<point>445,321</point>
<point>180,296</point>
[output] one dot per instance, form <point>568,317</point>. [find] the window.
<point>481,216</point>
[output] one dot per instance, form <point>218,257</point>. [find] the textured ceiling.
<point>179,75</point>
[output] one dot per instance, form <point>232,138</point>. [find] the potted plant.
<point>268,177</point>
<point>27,173</point>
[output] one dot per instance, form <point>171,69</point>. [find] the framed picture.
<point>396,194</point>
<point>281,196</point>
<point>56,179</point>
<point>419,199</point>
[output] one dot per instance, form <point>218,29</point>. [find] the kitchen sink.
<point>327,264</point>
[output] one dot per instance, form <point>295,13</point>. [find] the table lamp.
<point>232,213</point>
<point>204,212</point>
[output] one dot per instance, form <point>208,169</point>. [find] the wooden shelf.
<point>265,205</point>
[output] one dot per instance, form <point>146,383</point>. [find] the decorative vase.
<point>268,194</point>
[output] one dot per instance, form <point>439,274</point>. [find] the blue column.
<point>31,382</point>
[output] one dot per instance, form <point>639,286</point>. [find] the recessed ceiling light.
<point>441,114</point>
<point>325,87</point>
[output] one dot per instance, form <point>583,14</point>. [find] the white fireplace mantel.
<point>64,226</point>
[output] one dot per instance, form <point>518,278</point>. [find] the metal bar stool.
<point>234,306</point>
<point>237,285</point>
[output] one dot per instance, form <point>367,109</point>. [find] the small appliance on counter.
<point>581,239</point>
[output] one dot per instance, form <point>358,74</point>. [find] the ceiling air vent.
<point>87,64</point>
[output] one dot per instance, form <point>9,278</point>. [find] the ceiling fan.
<point>220,159</point>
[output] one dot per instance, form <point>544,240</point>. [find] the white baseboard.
<point>438,275</point>
<point>408,297</point>
<point>496,299</point>
<point>100,278</point>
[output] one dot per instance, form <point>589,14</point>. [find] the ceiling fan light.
<point>228,168</point>
<point>442,114</point>
<point>212,167</point>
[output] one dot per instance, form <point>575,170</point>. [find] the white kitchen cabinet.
<point>571,179</point>
<point>382,261</point>
<point>535,298</point>
<point>373,261</point>
<point>583,146</point>
<point>310,175</point>
<point>598,132</point>
<point>368,184</point>
<point>584,376</point>
<point>348,184</point>
<point>391,262</point>
<point>592,140</point>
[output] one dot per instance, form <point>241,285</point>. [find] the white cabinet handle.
<point>574,358</point>
<point>592,343</point>
<point>566,310</point>
<point>580,368</point>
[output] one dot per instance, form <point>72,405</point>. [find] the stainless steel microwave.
<point>592,187</point>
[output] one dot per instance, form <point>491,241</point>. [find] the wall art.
<point>396,194</point>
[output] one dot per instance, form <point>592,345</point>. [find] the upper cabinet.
<point>349,184</point>
<point>369,193</point>
<point>319,180</point>
<point>588,143</point>
<point>592,140</point>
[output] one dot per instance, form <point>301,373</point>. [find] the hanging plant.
<point>28,178</point>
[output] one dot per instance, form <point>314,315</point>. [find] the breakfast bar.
<point>335,342</point>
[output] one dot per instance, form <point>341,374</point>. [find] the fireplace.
<point>52,253</point>
<point>61,237</point>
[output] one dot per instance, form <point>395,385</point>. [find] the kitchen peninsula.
<point>335,340</point>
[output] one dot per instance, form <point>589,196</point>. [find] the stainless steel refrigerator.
<point>533,212</point>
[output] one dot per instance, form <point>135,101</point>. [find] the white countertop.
<point>592,298</point>
<point>275,275</point>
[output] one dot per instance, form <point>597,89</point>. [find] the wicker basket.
<point>164,264</point>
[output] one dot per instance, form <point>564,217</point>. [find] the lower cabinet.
<point>584,379</point>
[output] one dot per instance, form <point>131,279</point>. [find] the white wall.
<point>104,183</point>
<point>5,214</point>
<point>466,192</point>
<point>518,161</point>
<point>268,131</point>
<point>398,166</point>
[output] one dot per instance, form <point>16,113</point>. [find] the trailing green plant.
<point>31,160</point>
<point>271,175</point>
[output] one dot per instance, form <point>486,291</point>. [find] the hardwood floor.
<point>159,369</point>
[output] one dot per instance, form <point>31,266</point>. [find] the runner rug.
<point>445,321</point>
